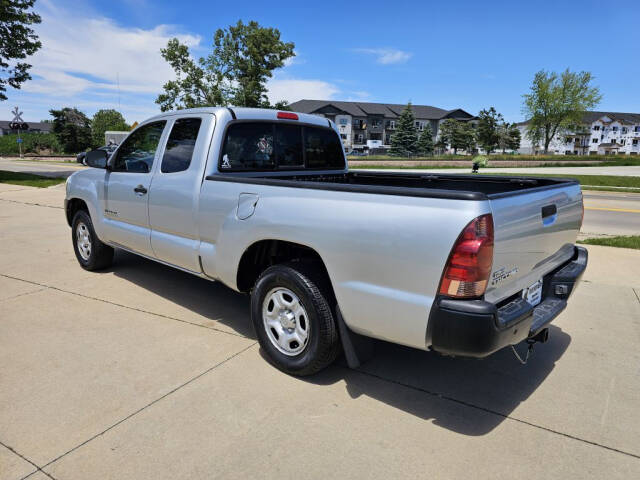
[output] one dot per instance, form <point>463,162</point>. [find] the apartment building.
<point>603,133</point>
<point>365,125</point>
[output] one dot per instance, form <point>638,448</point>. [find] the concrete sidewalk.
<point>142,371</point>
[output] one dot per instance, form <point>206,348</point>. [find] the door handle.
<point>140,190</point>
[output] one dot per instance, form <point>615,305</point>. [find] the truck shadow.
<point>467,396</point>
<point>212,302</point>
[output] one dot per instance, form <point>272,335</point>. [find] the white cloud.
<point>386,56</point>
<point>79,54</point>
<point>293,90</point>
<point>91,62</point>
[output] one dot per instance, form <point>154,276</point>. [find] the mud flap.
<point>358,349</point>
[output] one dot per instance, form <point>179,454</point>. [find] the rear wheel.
<point>292,317</point>
<point>91,253</point>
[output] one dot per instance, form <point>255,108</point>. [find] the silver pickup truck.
<point>263,202</point>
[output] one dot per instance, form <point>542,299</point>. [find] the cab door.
<point>127,185</point>
<point>174,197</point>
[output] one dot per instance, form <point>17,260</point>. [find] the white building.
<point>603,133</point>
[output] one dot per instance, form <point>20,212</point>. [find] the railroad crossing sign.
<point>18,123</point>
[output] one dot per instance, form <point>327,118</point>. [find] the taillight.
<point>469,265</point>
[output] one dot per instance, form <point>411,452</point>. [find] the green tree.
<point>17,42</point>
<point>235,73</point>
<point>72,128</point>
<point>509,136</point>
<point>104,120</point>
<point>425,142</point>
<point>458,135</point>
<point>487,132</point>
<point>513,137</point>
<point>555,103</point>
<point>404,142</point>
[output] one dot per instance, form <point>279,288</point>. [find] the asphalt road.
<point>46,169</point>
<point>611,213</point>
<point>146,372</point>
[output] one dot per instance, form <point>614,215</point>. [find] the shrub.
<point>38,143</point>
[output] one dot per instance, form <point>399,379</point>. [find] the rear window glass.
<point>180,145</point>
<point>268,146</point>
<point>289,146</point>
<point>249,146</point>
<point>322,148</point>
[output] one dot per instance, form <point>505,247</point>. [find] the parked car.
<point>263,202</point>
<point>107,148</point>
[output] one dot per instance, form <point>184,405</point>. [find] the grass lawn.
<point>588,182</point>
<point>29,180</point>
<point>466,160</point>
<point>632,241</point>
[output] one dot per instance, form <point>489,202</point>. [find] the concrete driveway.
<point>142,371</point>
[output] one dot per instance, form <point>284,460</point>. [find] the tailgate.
<point>534,232</point>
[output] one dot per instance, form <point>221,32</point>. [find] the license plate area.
<point>533,293</point>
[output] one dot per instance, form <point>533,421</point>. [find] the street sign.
<point>19,140</point>
<point>17,115</point>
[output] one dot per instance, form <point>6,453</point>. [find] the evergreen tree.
<point>514,137</point>
<point>425,142</point>
<point>72,128</point>
<point>458,135</point>
<point>405,141</point>
<point>488,134</point>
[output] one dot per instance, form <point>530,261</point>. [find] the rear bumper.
<point>475,328</point>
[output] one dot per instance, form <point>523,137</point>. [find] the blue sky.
<point>464,54</point>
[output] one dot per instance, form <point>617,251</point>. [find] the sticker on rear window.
<point>225,161</point>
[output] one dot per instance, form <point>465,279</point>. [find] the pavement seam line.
<point>32,204</point>
<point>124,306</point>
<point>494,412</point>
<point>141,409</point>
<point>38,469</point>
<point>23,294</point>
<point>636,292</point>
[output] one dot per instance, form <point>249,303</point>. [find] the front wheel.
<point>91,253</point>
<point>292,317</point>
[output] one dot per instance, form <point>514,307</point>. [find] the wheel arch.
<point>73,206</point>
<point>262,254</point>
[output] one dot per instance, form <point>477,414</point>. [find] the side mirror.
<point>97,158</point>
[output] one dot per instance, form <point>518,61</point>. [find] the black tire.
<point>310,285</point>
<point>100,255</point>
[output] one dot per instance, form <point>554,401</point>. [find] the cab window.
<point>138,150</point>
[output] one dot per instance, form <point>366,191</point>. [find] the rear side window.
<point>180,145</point>
<point>269,146</point>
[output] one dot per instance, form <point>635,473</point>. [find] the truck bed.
<point>456,186</point>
